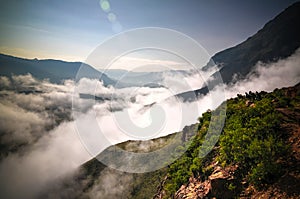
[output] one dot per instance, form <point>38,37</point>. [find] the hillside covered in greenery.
<point>258,145</point>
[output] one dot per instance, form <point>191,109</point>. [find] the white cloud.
<point>110,184</point>
<point>267,77</point>
<point>19,125</point>
<point>4,82</point>
<point>52,157</point>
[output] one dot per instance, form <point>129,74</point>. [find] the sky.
<point>71,30</point>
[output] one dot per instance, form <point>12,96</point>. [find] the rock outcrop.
<point>215,186</point>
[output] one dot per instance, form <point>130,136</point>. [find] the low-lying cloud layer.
<point>39,141</point>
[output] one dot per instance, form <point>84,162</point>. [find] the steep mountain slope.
<point>279,38</point>
<point>54,70</point>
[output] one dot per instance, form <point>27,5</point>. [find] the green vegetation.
<point>252,138</point>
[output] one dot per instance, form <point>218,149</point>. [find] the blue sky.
<point>70,30</point>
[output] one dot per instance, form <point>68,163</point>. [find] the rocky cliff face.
<point>214,186</point>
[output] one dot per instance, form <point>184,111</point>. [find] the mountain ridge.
<point>54,70</point>
<point>278,39</point>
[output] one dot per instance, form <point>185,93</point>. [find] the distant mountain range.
<point>54,70</point>
<point>57,71</point>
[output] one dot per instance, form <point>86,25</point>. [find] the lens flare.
<point>105,5</point>
<point>111,17</point>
